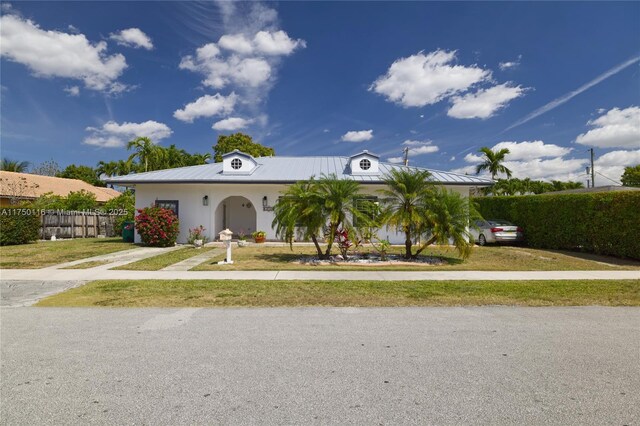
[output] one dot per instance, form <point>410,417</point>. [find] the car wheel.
<point>482,240</point>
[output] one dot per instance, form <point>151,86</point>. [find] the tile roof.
<point>285,170</point>
<point>26,185</point>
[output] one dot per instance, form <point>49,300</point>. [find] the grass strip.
<point>87,265</point>
<point>218,293</point>
<point>160,261</point>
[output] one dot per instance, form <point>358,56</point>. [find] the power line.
<point>606,177</point>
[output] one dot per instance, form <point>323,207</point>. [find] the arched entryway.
<point>237,214</point>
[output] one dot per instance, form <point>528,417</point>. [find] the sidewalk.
<point>104,274</point>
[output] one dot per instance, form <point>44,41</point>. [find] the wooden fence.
<point>70,224</point>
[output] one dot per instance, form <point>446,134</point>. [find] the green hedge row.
<point>601,223</point>
<point>18,225</point>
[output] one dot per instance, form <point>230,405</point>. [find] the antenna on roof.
<point>405,150</point>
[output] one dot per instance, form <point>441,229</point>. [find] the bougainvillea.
<point>157,227</point>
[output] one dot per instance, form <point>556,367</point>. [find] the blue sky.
<point>546,80</point>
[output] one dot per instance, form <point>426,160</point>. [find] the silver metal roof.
<point>285,170</point>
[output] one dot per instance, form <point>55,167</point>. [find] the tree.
<point>14,166</point>
<point>405,195</point>
<point>631,176</point>
<point>83,173</point>
<point>80,200</point>
<point>145,151</point>
<point>47,168</point>
<point>241,142</point>
<point>493,162</point>
<point>124,207</point>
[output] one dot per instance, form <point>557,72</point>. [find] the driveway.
<point>491,365</point>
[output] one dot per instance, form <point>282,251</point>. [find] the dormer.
<point>364,163</point>
<point>238,163</point>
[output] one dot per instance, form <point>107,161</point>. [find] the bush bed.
<point>157,226</point>
<point>18,226</point>
<point>601,223</point>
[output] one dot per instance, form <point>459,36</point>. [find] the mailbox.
<point>225,235</point>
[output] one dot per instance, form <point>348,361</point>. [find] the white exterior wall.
<point>192,213</point>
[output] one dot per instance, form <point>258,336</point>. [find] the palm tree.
<point>145,151</point>
<point>300,207</point>
<point>405,197</point>
<point>340,204</point>
<point>107,168</point>
<point>14,166</point>
<point>493,162</point>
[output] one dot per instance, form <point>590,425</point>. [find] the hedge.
<point>18,225</point>
<point>602,223</point>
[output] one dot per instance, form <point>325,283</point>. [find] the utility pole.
<point>406,155</point>
<point>593,172</point>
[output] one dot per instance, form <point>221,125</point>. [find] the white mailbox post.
<point>225,236</point>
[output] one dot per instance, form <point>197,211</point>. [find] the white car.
<point>496,231</point>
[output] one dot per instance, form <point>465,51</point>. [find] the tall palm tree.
<point>107,168</point>
<point>300,207</point>
<point>493,162</point>
<point>405,195</point>
<point>14,166</point>
<point>145,151</point>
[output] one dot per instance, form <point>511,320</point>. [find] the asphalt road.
<point>490,365</point>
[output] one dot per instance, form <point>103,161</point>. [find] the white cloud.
<point>616,128</point>
<point>113,135</point>
<point>357,136</point>
<point>420,147</point>
<point>485,102</point>
<point>236,43</point>
<point>276,43</point>
<point>395,160</point>
<point>207,106</point>
<point>244,62</point>
<point>325,131</point>
<point>231,124</point>
<point>58,54</point>
<point>523,151</point>
<point>72,91</point>
<point>132,37</point>
<point>509,65</point>
<point>420,79</point>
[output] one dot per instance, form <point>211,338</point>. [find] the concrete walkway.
<point>105,274</point>
<point>194,261</point>
<point>118,258</point>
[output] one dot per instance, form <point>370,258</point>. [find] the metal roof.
<point>286,170</point>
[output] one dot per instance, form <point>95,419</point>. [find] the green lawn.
<point>47,253</point>
<point>210,293</point>
<point>156,263</point>
<point>494,258</point>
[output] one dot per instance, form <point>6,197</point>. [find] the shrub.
<point>157,227</point>
<point>18,225</point>
<point>124,207</point>
<point>601,223</point>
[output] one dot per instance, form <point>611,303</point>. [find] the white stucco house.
<point>240,192</point>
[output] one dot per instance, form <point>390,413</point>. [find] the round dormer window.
<point>365,164</point>
<point>236,163</point>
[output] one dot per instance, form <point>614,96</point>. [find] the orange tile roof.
<point>25,185</point>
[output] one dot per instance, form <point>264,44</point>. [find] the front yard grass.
<point>494,258</point>
<point>219,293</point>
<point>156,263</point>
<point>46,253</point>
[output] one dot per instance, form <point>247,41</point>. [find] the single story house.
<point>239,193</point>
<point>17,187</point>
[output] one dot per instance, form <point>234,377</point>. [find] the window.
<point>367,206</point>
<point>236,163</point>
<point>169,205</point>
<point>365,164</point>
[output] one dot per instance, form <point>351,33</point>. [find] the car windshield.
<point>499,222</point>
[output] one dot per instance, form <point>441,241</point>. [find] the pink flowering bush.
<point>157,227</point>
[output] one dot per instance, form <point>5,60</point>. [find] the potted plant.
<point>197,237</point>
<point>242,238</point>
<point>259,236</point>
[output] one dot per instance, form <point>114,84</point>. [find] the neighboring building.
<point>240,192</point>
<point>17,187</point>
